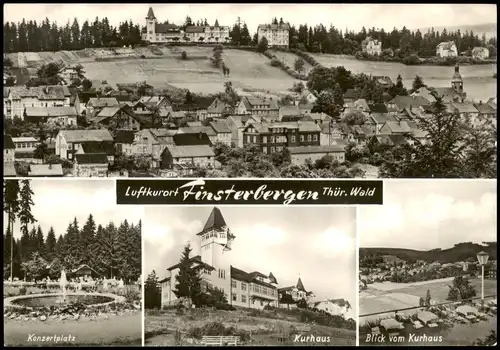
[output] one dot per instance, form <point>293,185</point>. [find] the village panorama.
<point>210,99</point>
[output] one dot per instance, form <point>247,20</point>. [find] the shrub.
<point>23,290</point>
<point>142,56</point>
<point>275,62</point>
<point>225,307</point>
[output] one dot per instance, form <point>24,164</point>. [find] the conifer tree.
<point>188,279</point>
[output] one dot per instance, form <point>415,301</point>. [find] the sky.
<point>425,214</point>
<point>352,16</point>
<point>58,202</point>
<point>316,244</point>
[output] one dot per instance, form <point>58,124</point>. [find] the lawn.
<point>161,327</point>
<point>162,66</point>
<point>289,59</point>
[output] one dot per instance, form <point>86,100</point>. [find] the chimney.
<point>480,102</point>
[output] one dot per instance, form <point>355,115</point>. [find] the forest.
<point>32,36</point>
<point>112,249</point>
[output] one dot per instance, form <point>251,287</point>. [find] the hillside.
<point>489,29</point>
<point>459,252</point>
<point>160,66</point>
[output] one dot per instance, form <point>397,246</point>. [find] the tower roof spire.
<point>215,221</point>
<point>151,14</point>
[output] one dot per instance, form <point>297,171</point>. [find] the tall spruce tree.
<point>188,279</point>
<point>50,245</point>
<point>11,207</point>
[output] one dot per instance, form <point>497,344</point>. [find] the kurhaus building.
<point>155,32</point>
<point>244,289</point>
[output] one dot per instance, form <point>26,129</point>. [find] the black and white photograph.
<point>428,265</point>
<point>71,265</point>
<point>250,90</point>
<point>250,276</point>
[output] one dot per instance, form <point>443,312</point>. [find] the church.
<point>243,289</point>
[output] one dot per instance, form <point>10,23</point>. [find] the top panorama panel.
<point>218,92</point>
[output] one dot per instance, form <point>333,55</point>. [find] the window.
<point>243,298</point>
<point>234,296</point>
<point>233,284</point>
<point>301,138</point>
<point>150,32</point>
<point>309,137</point>
<point>243,286</point>
<point>208,158</point>
<point>264,139</point>
<point>315,137</point>
<point>222,274</point>
<point>249,139</point>
<point>272,139</point>
<point>264,150</point>
<point>255,139</point>
<point>273,149</point>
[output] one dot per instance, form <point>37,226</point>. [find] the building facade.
<point>250,290</point>
<point>372,47</point>
<point>277,35</point>
<point>18,98</point>
<point>447,49</point>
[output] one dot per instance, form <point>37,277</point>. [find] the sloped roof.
<point>190,151</point>
<point>220,127</point>
<point>51,111</point>
<point>197,130</point>
<point>166,28</point>
<point>8,143</point>
<point>151,14</point>
<point>300,285</point>
<point>215,221</point>
<point>195,259</point>
<point>398,127</point>
<point>378,108</point>
<point>484,108</point>
<point>91,158</point>
<point>241,275</point>
<point>191,139</point>
<point>108,112</point>
<point>103,102</point>
<point>409,101</point>
<point>446,45</point>
<point>97,135</point>
<point>98,147</point>
<point>290,110</point>
<point>316,149</point>
<point>195,29</point>
<point>9,169</point>
<point>48,92</point>
<point>284,26</point>
<point>272,278</point>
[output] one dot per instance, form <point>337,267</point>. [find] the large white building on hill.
<point>277,35</point>
<point>243,289</point>
<point>155,32</point>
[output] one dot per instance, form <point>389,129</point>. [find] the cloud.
<point>334,241</point>
<point>430,214</point>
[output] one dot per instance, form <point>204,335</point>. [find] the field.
<point>255,328</point>
<point>478,79</point>
<point>161,66</point>
<point>289,59</point>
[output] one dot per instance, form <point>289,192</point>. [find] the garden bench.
<point>220,340</point>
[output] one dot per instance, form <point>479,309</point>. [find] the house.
<point>20,97</point>
<point>237,124</point>
<point>379,119</point>
<point>297,292</point>
<point>309,97</point>
<point>289,113</point>
<point>106,148</point>
<point>395,127</point>
<point>118,117</point>
<point>216,34</point>
<point>301,154</point>
<point>222,131</point>
<point>45,170</point>
<point>485,110</point>
<point>332,307</point>
<point>156,102</point>
<point>195,34</point>
<point>330,133</point>
<point>244,289</point>
<point>447,49</point>
<point>371,46</point>
<point>306,108</point>
<point>392,140</point>
<point>198,108</point>
<point>318,118</point>
<point>277,35</point>
<point>466,111</point>
<point>9,169</point>
<point>70,142</point>
<point>124,142</point>
<point>61,116</point>
<point>200,155</point>
<point>81,100</point>
<point>91,165</point>
<point>480,53</point>
<point>401,102</point>
<point>254,105</point>
<point>383,81</point>
<point>152,142</point>
<point>25,148</point>
<point>9,149</point>
<point>96,104</point>
<point>69,73</point>
<point>492,101</point>
<point>273,137</point>
<point>219,109</point>
<point>174,117</point>
<point>200,130</point>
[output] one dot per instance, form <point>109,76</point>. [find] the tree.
<point>326,103</point>
<point>11,207</point>
<point>41,151</point>
<point>35,267</point>
<point>302,304</point>
<point>152,292</point>
<point>25,203</point>
<point>480,151</point>
<point>188,284</point>
<point>287,299</point>
<point>262,45</point>
<point>461,289</point>
<point>50,244</point>
<point>418,82</point>
<point>354,118</point>
<point>299,65</point>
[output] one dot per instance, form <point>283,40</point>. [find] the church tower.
<point>151,25</point>
<point>215,246</point>
<point>457,82</point>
